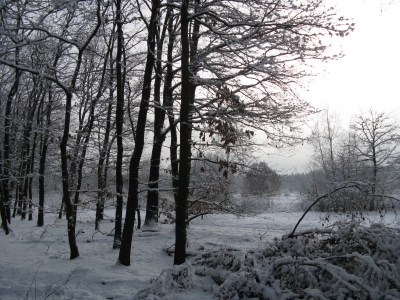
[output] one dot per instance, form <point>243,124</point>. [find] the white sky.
<point>368,75</point>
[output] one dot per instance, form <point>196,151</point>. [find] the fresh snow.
<point>35,264</point>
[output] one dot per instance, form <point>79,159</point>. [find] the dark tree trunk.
<point>169,102</point>
<point>65,179</point>
<point>132,204</point>
<point>17,203</point>
<point>43,155</point>
<point>30,181</point>
<point>28,165</point>
<point>87,131</point>
<point>38,123</point>
<point>105,149</point>
<point>4,221</point>
<point>158,140</point>
<point>189,63</point>
<point>6,146</point>
<point>102,169</point>
<point>3,211</point>
<point>372,203</point>
<point>184,168</point>
<point>19,192</point>
<point>61,210</point>
<point>69,207</point>
<point>193,67</point>
<point>138,218</point>
<point>119,128</point>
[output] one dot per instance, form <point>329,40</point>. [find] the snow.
<point>35,264</point>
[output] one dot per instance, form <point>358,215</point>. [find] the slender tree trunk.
<point>132,204</point>
<point>30,181</point>
<point>3,211</point>
<point>88,132</point>
<point>61,209</point>
<point>17,203</point>
<point>43,155</point>
<point>28,166</point>
<point>184,168</point>
<point>372,204</point>
<point>4,221</point>
<point>65,180</point>
<point>102,169</point>
<point>6,146</point>
<point>193,69</point>
<point>169,102</point>
<point>189,63</point>
<point>119,127</point>
<point>69,206</point>
<point>159,117</point>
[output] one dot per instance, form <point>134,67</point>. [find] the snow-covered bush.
<point>177,278</point>
<point>347,261</point>
<point>166,209</point>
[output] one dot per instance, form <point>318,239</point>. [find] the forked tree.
<point>378,138</point>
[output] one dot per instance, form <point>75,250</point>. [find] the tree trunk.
<point>28,166</point>
<point>159,117</point>
<point>43,155</point>
<point>65,179</point>
<point>132,203</point>
<point>169,102</point>
<point>372,204</point>
<point>105,149</point>
<point>4,221</point>
<point>30,182</point>
<point>3,211</point>
<point>6,146</point>
<point>87,131</point>
<point>102,169</point>
<point>180,227</point>
<point>119,127</point>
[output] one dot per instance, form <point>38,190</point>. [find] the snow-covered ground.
<point>34,261</point>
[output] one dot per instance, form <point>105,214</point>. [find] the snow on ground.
<point>34,261</point>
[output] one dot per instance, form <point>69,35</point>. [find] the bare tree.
<point>262,180</point>
<point>243,74</point>
<point>132,201</point>
<point>377,138</point>
<point>46,30</point>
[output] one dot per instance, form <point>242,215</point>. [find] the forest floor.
<point>34,261</point>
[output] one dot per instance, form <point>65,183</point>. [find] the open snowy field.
<point>34,261</point>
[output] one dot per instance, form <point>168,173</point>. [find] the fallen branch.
<point>346,186</point>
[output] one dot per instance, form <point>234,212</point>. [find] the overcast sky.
<point>369,74</point>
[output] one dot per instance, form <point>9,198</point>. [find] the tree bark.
<point>119,127</point>
<point>185,141</point>
<point>65,180</point>
<point>132,203</point>
<point>28,165</point>
<point>102,169</point>
<point>158,140</point>
<point>43,155</point>
<point>6,146</point>
<point>169,102</point>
